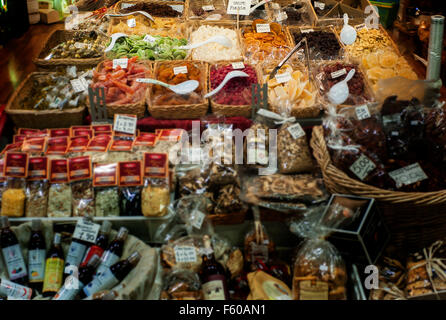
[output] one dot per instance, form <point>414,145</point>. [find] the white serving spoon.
<point>229,76</point>
<point>261,3</point>
<point>181,88</point>
<point>131,13</point>
<point>339,92</point>
<point>224,41</point>
<point>114,37</point>
<point>348,33</point>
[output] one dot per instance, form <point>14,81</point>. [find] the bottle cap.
<point>4,222</point>
<point>94,261</point>
<point>57,238</point>
<point>123,233</point>
<point>106,227</point>
<point>134,258</point>
<point>36,225</point>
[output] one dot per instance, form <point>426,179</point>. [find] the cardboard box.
<point>45,4</point>
<point>49,16</point>
<point>33,6</point>
<point>34,18</point>
<point>361,239</point>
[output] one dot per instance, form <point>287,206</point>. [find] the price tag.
<point>178,70</point>
<point>281,16</point>
<point>338,73</point>
<point>283,77</point>
<point>127,5</point>
<point>149,38</point>
<point>361,26</point>
<point>296,131</point>
<point>240,7</point>
<point>80,45</point>
<point>198,219</point>
<point>394,133</point>
<point>238,65</point>
<point>392,119</point>
<point>125,123</point>
<point>185,254</point>
<point>120,62</point>
<point>208,8</point>
<point>362,167</point>
<point>362,112</point>
<point>408,175</point>
<point>306,30</point>
<point>263,27</point>
<point>131,23</point>
<point>319,5</point>
<point>86,230</point>
<point>79,85</point>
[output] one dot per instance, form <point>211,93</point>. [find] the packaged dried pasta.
<point>80,174</point>
<point>155,196</point>
<point>15,170</point>
<point>37,187</point>
<point>105,183</point>
<point>59,196</point>
<point>130,182</point>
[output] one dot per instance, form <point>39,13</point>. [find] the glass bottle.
<point>36,256</point>
<point>113,252</point>
<point>101,243</point>
<point>54,268</point>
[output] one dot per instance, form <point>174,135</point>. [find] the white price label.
<point>296,131</point>
<point>149,38</point>
<point>198,219</point>
<point>281,16</point>
<point>131,23</point>
<point>79,85</point>
<point>86,231</point>
<point>393,118</point>
<point>338,73</point>
<point>263,27</point>
<point>362,167</point>
<point>306,30</point>
<point>283,77</point>
<point>361,26</point>
<point>408,175</point>
<point>127,5</point>
<point>125,123</point>
<point>178,70</point>
<point>362,112</point>
<point>240,7</point>
<point>238,65</point>
<point>81,45</point>
<point>177,7</point>
<point>319,5</point>
<point>123,63</point>
<point>185,254</point>
<point>208,8</point>
<point>394,133</point>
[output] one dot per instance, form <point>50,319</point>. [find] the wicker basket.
<point>306,5</point>
<point>58,37</point>
<point>228,218</point>
<point>220,8</point>
<point>137,109</point>
<point>415,219</point>
<point>36,119</point>
<point>230,110</point>
<point>186,111</point>
<point>117,7</point>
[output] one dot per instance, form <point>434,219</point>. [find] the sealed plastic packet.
<point>16,171</point>
<point>59,196</point>
<point>155,196</point>
<point>130,182</point>
<point>183,253</point>
<point>181,284</point>
<point>80,175</point>
<point>193,212</point>
<point>105,183</point>
<point>37,187</point>
<point>319,270</point>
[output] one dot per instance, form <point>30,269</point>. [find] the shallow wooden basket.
<point>137,109</point>
<point>40,119</point>
<point>58,37</point>
<point>415,219</point>
<point>183,111</point>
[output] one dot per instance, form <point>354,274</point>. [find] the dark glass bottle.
<point>100,245</point>
<point>112,276</point>
<point>212,275</point>
<point>113,252</point>
<point>54,268</point>
<point>12,253</point>
<point>36,256</point>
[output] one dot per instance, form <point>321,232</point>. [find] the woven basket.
<point>186,111</point>
<point>137,109</point>
<point>43,119</point>
<point>307,5</point>
<point>58,37</point>
<point>415,219</point>
<point>117,7</point>
<point>228,218</point>
<point>230,110</point>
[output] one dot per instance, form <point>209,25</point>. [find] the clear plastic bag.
<point>183,253</point>
<point>37,198</point>
<point>130,201</point>
<point>155,197</point>
<point>59,200</point>
<point>13,198</point>
<point>83,198</point>
<point>193,212</point>
<point>107,202</point>
<point>181,284</point>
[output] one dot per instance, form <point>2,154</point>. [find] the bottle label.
<point>214,289</point>
<point>105,281</point>
<point>69,290</point>
<point>93,250</point>
<point>14,262</point>
<point>53,275</point>
<point>108,259</point>
<point>14,290</point>
<point>313,290</point>
<point>36,265</point>
<point>75,254</point>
